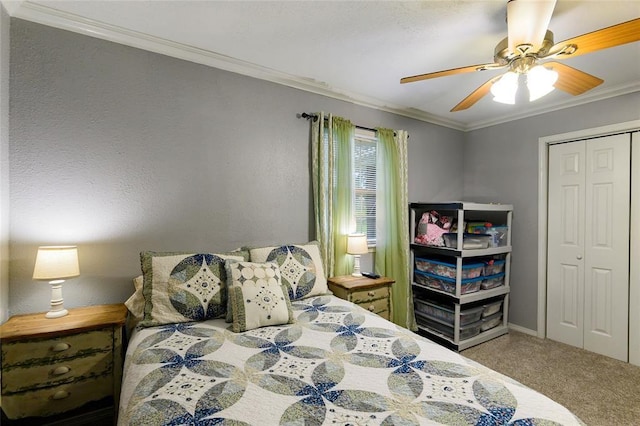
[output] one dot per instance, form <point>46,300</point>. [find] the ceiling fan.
<point>526,51</point>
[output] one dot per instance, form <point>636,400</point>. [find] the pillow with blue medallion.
<point>183,287</point>
<point>257,296</point>
<point>300,265</point>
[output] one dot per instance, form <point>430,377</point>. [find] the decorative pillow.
<point>184,287</point>
<point>258,297</point>
<point>135,303</point>
<point>301,267</point>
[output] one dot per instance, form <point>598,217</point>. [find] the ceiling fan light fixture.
<point>504,90</point>
<point>540,81</point>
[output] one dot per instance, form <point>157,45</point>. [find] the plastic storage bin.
<point>492,281</point>
<point>498,235</point>
<point>493,267</point>
<point>469,241</point>
<point>466,332</point>
<point>491,322</point>
<point>427,280</point>
<point>491,308</point>
<point>447,284</point>
<point>448,270</point>
<point>445,314</point>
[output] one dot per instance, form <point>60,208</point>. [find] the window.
<point>364,157</point>
<point>364,183</point>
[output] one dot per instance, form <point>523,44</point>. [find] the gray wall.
<point>120,150</point>
<point>501,165</point>
<point>4,164</point>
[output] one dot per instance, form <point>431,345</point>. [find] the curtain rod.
<point>314,117</point>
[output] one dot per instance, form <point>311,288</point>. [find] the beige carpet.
<point>601,391</point>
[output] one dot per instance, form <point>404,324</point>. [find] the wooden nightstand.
<point>52,366</point>
<point>372,294</point>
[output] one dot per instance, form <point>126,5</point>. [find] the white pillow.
<point>300,265</point>
<point>258,297</point>
<point>135,303</point>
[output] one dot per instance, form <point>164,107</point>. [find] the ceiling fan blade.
<point>476,95</point>
<point>527,23</point>
<point>572,80</point>
<point>461,70</point>
<point>616,35</point>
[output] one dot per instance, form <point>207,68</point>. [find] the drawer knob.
<point>60,347</point>
<point>61,394</point>
<point>371,308</point>
<point>59,371</point>
<point>371,293</point>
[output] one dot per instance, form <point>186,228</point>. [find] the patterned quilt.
<point>337,365</point>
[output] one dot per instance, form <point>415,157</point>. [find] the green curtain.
<point>331,168</point>
<point>392,222</point>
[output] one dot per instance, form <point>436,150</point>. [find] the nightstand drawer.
<point>370,294</point>
<point>48,350</point>
<point>376,306</point>
<point>57,399</point>
<point>37,376</point>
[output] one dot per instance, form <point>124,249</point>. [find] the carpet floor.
<point>601,391</point>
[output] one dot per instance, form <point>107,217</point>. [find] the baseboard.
<point>521,329</point>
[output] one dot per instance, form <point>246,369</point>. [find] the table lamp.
<point>357,245</point>
<point>55,264</point>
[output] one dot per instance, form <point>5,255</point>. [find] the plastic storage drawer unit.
<point>445,314</point>
<point>466,332</point>
<point>491,322</point>
<point>469,241</point>
<point>491,308</point>
<point>448,270</point>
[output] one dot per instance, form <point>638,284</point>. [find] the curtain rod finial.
<point>307,116</point>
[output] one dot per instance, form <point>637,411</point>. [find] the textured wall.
<point>120,150</point>
<point>501,165</point>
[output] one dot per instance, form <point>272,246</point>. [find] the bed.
<point>327,362</point>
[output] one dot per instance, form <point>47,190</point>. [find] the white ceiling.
<point>355,50</point>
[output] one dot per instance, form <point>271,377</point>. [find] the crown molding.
<point>23,9</point>
<point>55,18</point>
<point>574,101</point>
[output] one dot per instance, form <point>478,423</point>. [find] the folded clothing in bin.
<point>445,269</point>
<point>493,281</point>
<point>493,267</point>
<point>448,285</point>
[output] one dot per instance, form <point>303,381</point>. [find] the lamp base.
<point>356,266</point>
<point>56,314</point>
<point>57,309</point>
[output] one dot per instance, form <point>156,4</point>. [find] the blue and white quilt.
<point>336,365</point>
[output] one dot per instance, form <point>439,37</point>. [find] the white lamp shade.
<point>540,81</point>
<point>56,262</point>
<point>357,244</point>
<point>504,90</point>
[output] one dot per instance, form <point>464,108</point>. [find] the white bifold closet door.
<point>588,244</point>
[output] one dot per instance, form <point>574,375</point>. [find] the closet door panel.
<point>634,281</point>
<point>606,245</point>
<point>565,269</point>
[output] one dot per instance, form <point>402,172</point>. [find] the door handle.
<point>579,257</point>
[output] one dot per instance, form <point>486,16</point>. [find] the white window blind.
<point>364,183</point>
